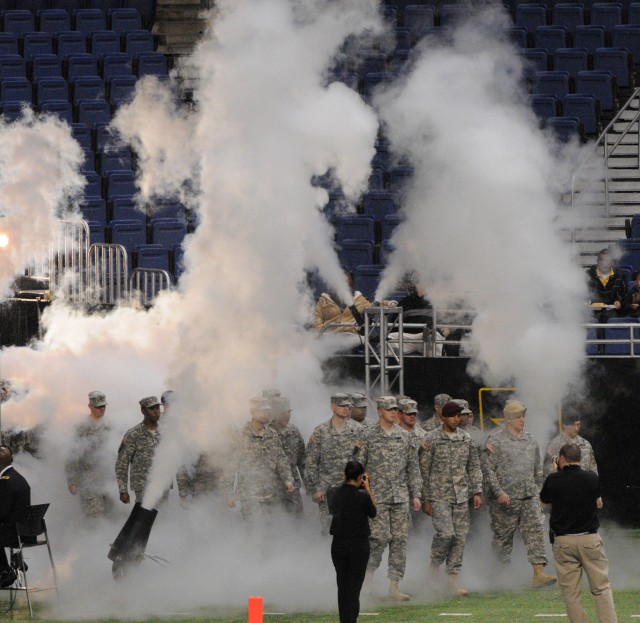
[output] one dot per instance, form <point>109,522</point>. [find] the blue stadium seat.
<point>120,184</point>
<point>379,203</point>
<point>87,88</point>
<point>12,66</point>
<point>399,177</point>
<point>96,233</point>
<point>550,38</point>
<point>61,108</point>
<point>12,111</point>
<point>82,134</point>
<point>45,66</point>
<point>376,179</point>
<point>370,62</point>
<point>121,90</point>
<point>109,161</point>
<point>124,20</point>
<point>8,43</point>
<point>386,251</point>
<point>18,21</point>
<point>104,42</point>
<point>151,64</point>
<point>417,17</point>
<point>589,37</point>
<point>353,253</point>
<point>33,43</point>
<point>359,227</point>
<point>585,108</point>
<point>453,14</point>
<point>119,64</point>
<point>169,208</point>
<point>72,42</point>
<point>571,60</point>
<point>531,15</point>
<point>93,187</point>
<point>568,14</point>
<point>76,65</point>
<point>633,17</point>
<point>167,231</point>
<point>602,85</point>
<point>54,20</point>
<point>545,106</point>
<point>87,21</point>
<point>93,112</point>
<point>129,234</point>
<point>566,128</point>
<point>94,209</point>
<point>388,225</point>
<point>617,61</point>
<point>607,14</point>
<point>105,138</point>
<point>151,256</point>
<point>552,83</point>
<point>366,279</point>
<point>89,163</point>
<point>372,80</point>
<point>630,253</point>
<point>538,61</point>
<point>176,260</point>
<point>625,36</point>
<point>519,35</point>
<point>612,333</point>
<point>126,208</point>
<point>138,41</point>
<point>51,89</point>
<point>16,90</point>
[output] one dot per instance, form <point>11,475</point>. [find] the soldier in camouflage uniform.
<point>258,466</point>
<point>391,461</point>
<point>513,471</point>
<point>294,448</point>
<point>135,455</point>
<point>435,422</point>
<point>329,448</point>
<point>86,475</point>
<point>359,409</point>
<point>451,473</point>
<point>571,428</point>
<point>202,479</point>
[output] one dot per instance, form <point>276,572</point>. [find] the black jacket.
<point>15,496</point>
<point>614,290</point>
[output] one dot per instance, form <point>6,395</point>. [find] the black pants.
<point>350,557</point>
<point>8,538</point>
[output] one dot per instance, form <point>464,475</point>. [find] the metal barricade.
<point>384,366</point>
<point>147,283</point>
<point>108,274</point>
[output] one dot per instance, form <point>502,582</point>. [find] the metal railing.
<point>384,366</point>
<point>146,283</point>
<point>108,279</point>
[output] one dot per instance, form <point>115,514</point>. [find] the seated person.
<point>606,287</point>
<point>330,309</point>
<point>632,307</point>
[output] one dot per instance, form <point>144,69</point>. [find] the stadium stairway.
<point>179,25</point>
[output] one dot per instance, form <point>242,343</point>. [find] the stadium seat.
<point>33,43</point>
<point>585,108</point>
<point>94,209</point>
<point>550,38</point>
<point>607,14</point>
<point>354,228</point>
<point>167,231</point>
<point>87,88</point>
<point>380,203</point>
<point>353,253</point>
<point>45,66</point>
<point>66,43</point>
<point>82,134</point>
<point>12,66</point>
<point>169,208</point>
<point>93,187</point>
<point>16,90</point>
<point>61,108</point>
<point>617,61</point>
<point>366,279</point>
<point>634,14</point>
<point>89,163</point>
<point>126,208</point>
<point>545,106</point>
<point>104,42</point>
<point>18,21</point>
<point>372,80</point>
<point>120,184</point>
<point>628,37</point>
<point>109,161</point>
<point>531,15</point>
<point>51,89</point>
<point>386,251</point>
<point>138,41</point>
<point>388,225</point>
<point>417,17</point>
<point>538,60</point>
<point>93,112</point>
<point>54,20</point>
<point>176,260</point>
<point>519,35</point>
<point>76,65</point>
<point>567,128</point>
<point>11,111</point>
<point>121,90</point>
<point>151,256</point>
<point>589,37</point>
<point>399,177</point>
<point>151,64</point>
<point>571,60</point>
<point>87,21</point>
<point>96,233</point>
<point>113,65</point>
<point>568,14</point>
<point>129,234</point>
<point>552,83</point>
<point>453,14</point>
<point>124,20</point>
<point>8,43</point>
<point>601,84</point>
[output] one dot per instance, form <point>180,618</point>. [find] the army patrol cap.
<point>465,406</point>
<point>341,400</point>
<point>150,401</point>
<point>441,399</point>
<point>408,406</point>
<point>387,403</point>
<point>358,400</point>
<point>259,404</point>
<point>451,409</point>
<point>513,409</point>
<point>97,399</point>
<point>280,404</point>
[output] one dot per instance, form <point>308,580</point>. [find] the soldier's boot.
<point>367,585</point>
<point>540,578</point>
<point>394,592</point>
<point>454,588</point>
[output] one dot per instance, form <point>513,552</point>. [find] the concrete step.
<point>179,27</point>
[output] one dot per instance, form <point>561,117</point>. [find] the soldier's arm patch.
<point>313,438</point>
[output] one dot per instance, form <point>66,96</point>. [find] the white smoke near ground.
<point>482,212</point>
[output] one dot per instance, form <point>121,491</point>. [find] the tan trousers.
<point>573,554</point>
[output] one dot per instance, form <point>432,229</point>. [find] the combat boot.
<point>394,592</point>
<point>540,578</point>
<point>454,588</point>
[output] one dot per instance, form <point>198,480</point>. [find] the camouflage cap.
<point>259,404</point>
<point>387,403</point>
<point>441,399</point>
<point>271,392</point>
<point>149,401</point>
<point>341,400</point>
<point>280,404</point>
<point>465,406</point>
<point>451,409</point>
<point>358,400</point>
<point>513,409</point>
<point>97,399</point>
<point>408,406</point>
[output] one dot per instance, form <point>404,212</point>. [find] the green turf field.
<point>509,607</point>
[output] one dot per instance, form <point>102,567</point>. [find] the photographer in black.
<point>351,505</point>
<point>574,496</point>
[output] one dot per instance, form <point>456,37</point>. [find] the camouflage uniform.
<point>135,457</point>
<point>392,464</point>
<point>328,451</point>
<point>587,459</point>
<point>201,480</point>
<point>293,446</point>
<point>512,465</point>
<point>85,471</point>
<point>261,471</point>
<point>23,440</point>
<point>431,424</point>
<point>451,474</point>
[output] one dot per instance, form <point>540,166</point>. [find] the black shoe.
<point>7,578</point>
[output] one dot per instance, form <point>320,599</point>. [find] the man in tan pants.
<point>574,496</point>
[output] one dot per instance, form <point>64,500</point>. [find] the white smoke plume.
<point>482,213</point>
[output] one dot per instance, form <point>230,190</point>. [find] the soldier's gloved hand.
<point>124,498</point>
